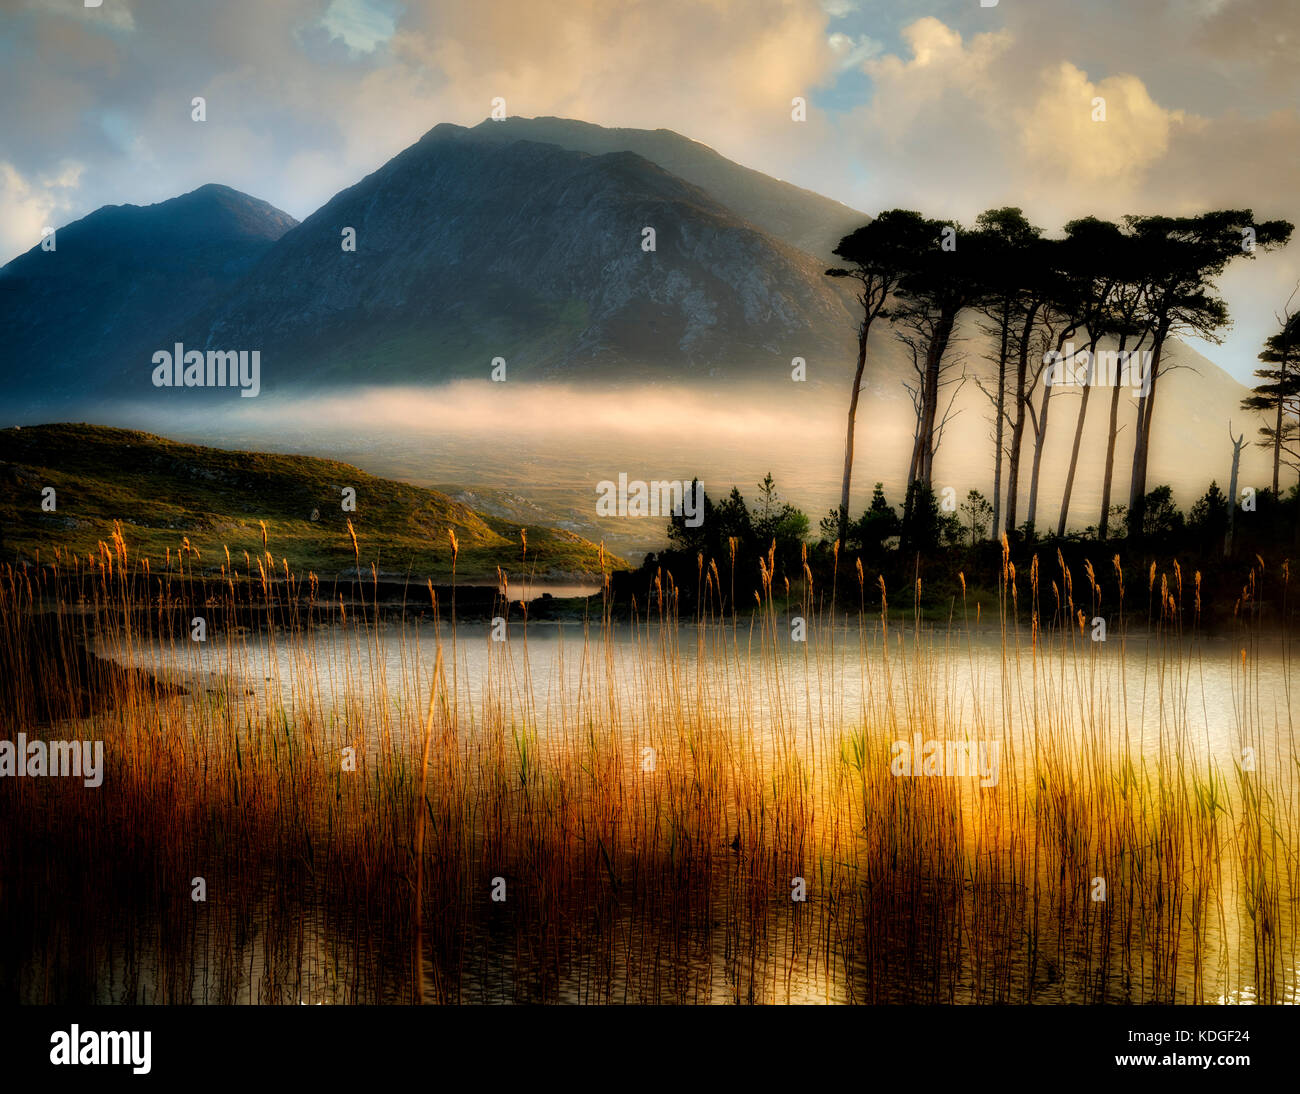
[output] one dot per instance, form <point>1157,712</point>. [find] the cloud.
<point>1262,36</point>
<point>839,9</point>
<point>362,25</point>
<point>32,206</point>
<point>1109,133</point>
<point>960,125</point>
<point>348,84</point>
<point>853,51</point>
<point>729,67</point>
<point>944,78</point>
<point>109,15</point>
<point>979,108</point>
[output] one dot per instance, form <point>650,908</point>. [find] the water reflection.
<point>884,926</point>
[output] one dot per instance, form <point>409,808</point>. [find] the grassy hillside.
<point>164,492</point>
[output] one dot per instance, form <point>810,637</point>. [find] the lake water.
<point>1211,703</point>
<point>1173,707</point>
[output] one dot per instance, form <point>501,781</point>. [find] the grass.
<point>219,500</point>
<point>631,875</point>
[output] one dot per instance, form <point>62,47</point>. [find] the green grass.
<point>164,492</point>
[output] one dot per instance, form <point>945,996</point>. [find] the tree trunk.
<point>1001,422</point>
<point>926,432</point>
<point>916,456</point>
<point>1018,427</point>
<point>1103,524</point>
<point>1040,432</point>
<point>1277,428</point>
<point>1078,438</point>
<point>1237,442</point>
<point>1137,493</point>
<point>923,452</point>
<point>1040,440</point>
<point>1297,516</point>
<point>848,438</point>
<point>933,357</point>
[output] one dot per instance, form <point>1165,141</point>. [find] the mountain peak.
<point>444,131</point>
<point>211,213</point>
<point>471,248</point>
<point>799,217</point>
<point>120,277</point>
<point>521,239</point>
<point>216,209</point>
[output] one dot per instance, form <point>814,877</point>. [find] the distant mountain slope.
<point>799,217</point>
<point>163,492</point>
<point>468,250</point>
<point>470,246</point>
<point>116,278</point>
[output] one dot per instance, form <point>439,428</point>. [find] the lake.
<point>1130,738</point>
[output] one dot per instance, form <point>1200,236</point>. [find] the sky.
<point>941,105</point>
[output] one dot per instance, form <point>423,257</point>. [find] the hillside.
<point>468,250</point>
<point>799,217</point>
<point>163,492</point>
<point>470,245</point>
<point>116,279</point>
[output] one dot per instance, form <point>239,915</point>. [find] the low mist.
<point>534,452</point>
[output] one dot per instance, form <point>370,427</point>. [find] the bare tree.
<point>1281,393</point>
<point>944,281</point>
<point>1094,249</point>
<point>1039,286</point>
<point>879,254</point>
<point>1237,443</point>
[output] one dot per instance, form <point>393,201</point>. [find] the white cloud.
<point>962,125</point>
<point>362,25</point>
<point>853,51</point>
<point>1060,136</point>
<point>32,206</point>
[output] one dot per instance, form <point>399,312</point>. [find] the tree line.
<point>1135,284</point>
<point>1131,285</point>
<point>742,540</point>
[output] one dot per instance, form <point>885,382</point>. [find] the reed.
<point>647,796</point>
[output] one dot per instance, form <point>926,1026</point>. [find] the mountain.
<point>472,244</point>
<point>471,249</point>
<point>163,492</point>
<point>116,278</point>
<point>522,239</point>
<point>801,218</point>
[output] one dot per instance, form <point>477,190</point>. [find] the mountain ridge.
<point>803,218</point>
<point>473,244</point>
<point>468,251</point>
<point>119,274</point>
